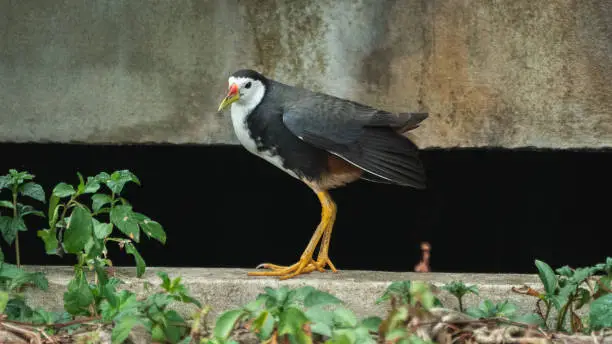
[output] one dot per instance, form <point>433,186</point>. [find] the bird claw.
<point>301,267</point>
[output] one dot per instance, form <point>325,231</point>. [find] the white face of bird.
<point>245,92</point>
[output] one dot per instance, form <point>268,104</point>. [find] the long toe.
<point>304,266</point>
<point>325,261</point>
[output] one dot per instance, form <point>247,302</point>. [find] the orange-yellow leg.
<point>323,256</point>
<point>306,264</point>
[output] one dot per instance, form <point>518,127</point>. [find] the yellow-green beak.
<point>232,96</point>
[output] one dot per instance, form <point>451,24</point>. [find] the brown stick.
<point>23,331</point>
<point>55,326</point>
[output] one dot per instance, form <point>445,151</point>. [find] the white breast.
<point>239,115</point>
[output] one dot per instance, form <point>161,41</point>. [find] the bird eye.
<point>248,85</point>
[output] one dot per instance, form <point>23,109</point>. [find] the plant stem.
<point>17,255</point>
<point>460,304</point>
<point>547,303</point>
<point>563,313</point>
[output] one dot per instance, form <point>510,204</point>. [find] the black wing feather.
<point>365,137</point>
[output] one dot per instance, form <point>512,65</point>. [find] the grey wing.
<point>367,138</point>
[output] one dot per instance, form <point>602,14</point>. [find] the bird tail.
<point>401,122</point>
<point>386,156</point>
<point>410,120</point>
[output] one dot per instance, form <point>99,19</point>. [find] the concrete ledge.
<point>223,289</point>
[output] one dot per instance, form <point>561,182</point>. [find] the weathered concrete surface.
<point>491,73</point>
<point>224,289</point>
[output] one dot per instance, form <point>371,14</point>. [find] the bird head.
<point>245,87</point>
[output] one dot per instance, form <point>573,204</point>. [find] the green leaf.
<point>344,317</point>
<point>476,312</point>
<point>140,263</point>
<point>101,230</point>
<point>459,289</point>
<point>226,322</point>
<point>7,204</point>
<point>5,227</point>
<point>319,314</point>
<point>299,294</point>
<point>172,331</point>
<point>79,296</point>
<point>5,181</point>
<point>343,338</point>
<point>291,322</point>
<point>10,226</point>
<point>264,325</point>
<point>255,305</point>
<point>62,190</point>
<point>4,298</point>
<point>99,200</point>
<point>53,212</point>
<point>17,177</point>
<point>157,332</point>
<point>124,303</point>
<point>371,323</point>
<point>81,186</point>
<point>166,282</point>
<point>321,329</point>
<point>281,294</point>
<point>20,277</point>
<point>79,231</point>
<point>17,309</point>
<point>608,265</point>
<point>123,327</point>
<point>547,276</point>
<point>557,300</point>
<point>398,288</point>
<point>153,230</point>
<point>565,271</point>
<point>23,210</point>
<point>505,309</point>
<point>420,291</point>
<point>49,237</point>
<point>123,217</point>
<point>92,186</point>
<point>600,313</point>
<point>317,297</point>
<point>102,177</point>
<point>94,247</point>
<point>33,190</point>
<point>118,179</point>
<point>581,274</point>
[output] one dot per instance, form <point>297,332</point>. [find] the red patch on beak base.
<point>232,90</point>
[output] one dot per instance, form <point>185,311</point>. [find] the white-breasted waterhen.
<point>324,141</point>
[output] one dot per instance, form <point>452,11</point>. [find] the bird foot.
<point>304,266</point>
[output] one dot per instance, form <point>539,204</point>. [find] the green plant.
<point>299,315</point>
<point>12,282</point>
<point>75,228</point>
<point>395,329</point>
<point>458,289</point>
<point>275,313</point>
<point>568,290</point>
<point>82,231</point>
<point>488,309</point>
<point>125,311</point>
<point>403,292</point>
<point>18,183</point>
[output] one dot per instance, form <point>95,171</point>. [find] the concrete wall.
<point>491,73</point>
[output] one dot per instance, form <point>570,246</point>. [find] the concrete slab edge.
<point>223,288</point>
